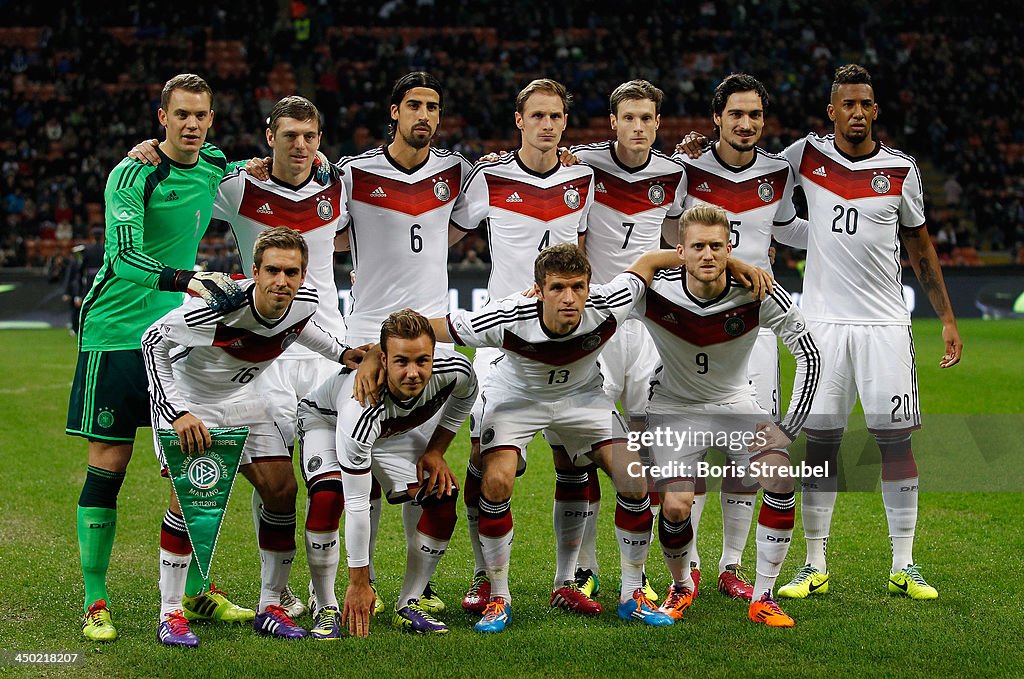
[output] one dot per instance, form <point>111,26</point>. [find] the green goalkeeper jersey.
<point>155,218</point>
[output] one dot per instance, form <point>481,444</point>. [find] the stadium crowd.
<point>80,88</point>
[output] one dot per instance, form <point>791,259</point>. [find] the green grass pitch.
<point>969,544</point>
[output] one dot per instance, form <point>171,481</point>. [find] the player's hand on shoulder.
<point>259,168</point>
<point>326,172</point>
<point>769,436</point>
<point>954,346</point>
<point>192,433</point>
<point>759,281</point>
<point>692,145</point>
<point>353,356</point>
<point>369,377</point>
<point>566,157</point>
<point>493,156</point>
<point>145,152</point>
<point>219,290</point>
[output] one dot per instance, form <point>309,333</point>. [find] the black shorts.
<point>109,397</point>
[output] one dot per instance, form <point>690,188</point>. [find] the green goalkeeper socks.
<point>96,528</point>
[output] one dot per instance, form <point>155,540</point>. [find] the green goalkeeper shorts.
<point>109,397</point>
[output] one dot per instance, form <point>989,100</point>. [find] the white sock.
<point>497,551</point>
<point>900,499</point>
<point>422,554</point>
<point>274,570</point>
<point>737,513</point>
<point>588,547</point>
<point>323,553</point>
<point>677,559</point>
<point>817,500</point>
<point>173,573</point>
<point>773,543</point>
<point>696,511</point>
<point>633,545</point>
<point>473,522</point>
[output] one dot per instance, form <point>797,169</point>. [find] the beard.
<point>418,142</point>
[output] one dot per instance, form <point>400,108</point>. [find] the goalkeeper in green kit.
<point>155,218</point>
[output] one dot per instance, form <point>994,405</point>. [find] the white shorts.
<point>579,423</point>
<point>395,470</point>
<point>681,439</point>
<point>482,363</point>
<point>627,361</point>
<point>287,380</point>
<point>875,362</point>
<point>264,442</point>
<point>763,371</point>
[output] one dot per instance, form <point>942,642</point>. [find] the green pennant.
<point>202,484</point>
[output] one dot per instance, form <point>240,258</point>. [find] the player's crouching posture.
<point>200,365</point>
<point>705,328</point>
<point>548,379</point>
<point>339,435</point>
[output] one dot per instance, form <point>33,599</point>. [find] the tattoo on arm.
<point>933,285</point>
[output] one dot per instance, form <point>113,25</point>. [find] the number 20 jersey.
<point>855,207</point>
<point>399,234</point>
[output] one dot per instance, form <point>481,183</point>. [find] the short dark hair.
<point>405,324</point>
<point>295,107</point>
<point>548,86</point>
<point>851,74</point>
<point>733,83</point>
<point>283,238</point>
<point>410,81</point>
<point>635,89</point>
<point>563,259</point>
<point>190,82</point>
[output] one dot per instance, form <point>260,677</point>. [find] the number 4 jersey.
<point>855,207</point>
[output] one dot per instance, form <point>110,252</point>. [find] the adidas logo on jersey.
<point>514,198</point>
<point>820,171</point>
<point>173,195</point>
<point>600,188</point>
<point>704,188</point>
<point>378,193</point>
<point>264,209</point>
<point>670,318</point>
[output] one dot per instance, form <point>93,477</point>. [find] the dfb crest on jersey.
<point>488,436</point>
<point>880,184</point>
<point>572,198</point>
<point>325,210</point>
<point>591,342</point>
<point>289,340</point>
<point>765,192</point>
<point>314,463</point>
<point>735,326</point>
<point>442,191</point>
<point>656,194</point>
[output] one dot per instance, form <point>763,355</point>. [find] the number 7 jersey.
<point>855,207</point>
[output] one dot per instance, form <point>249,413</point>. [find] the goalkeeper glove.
<point>217,289</point>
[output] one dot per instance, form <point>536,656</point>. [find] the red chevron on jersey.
<point>632,198</point>
<point>272,209</point>
<point>702,331</point>
<point>536,202</point>
<point>416,417</point>
<point>847,183</point>
<point>412,199</point>
<point>735,197</point>
<point>248,346</point>
<point>561,353</point>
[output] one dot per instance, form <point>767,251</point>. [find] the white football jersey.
<point>399,234</point>
<point>630,203</point>
<point>316,211</point>
<point>755,197</point>
<point>525,212</point>
<point>196,355</point>
<point>705,345</point>
<point>536,363</point>
<point>452,387</point>
<point>855,207</point>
